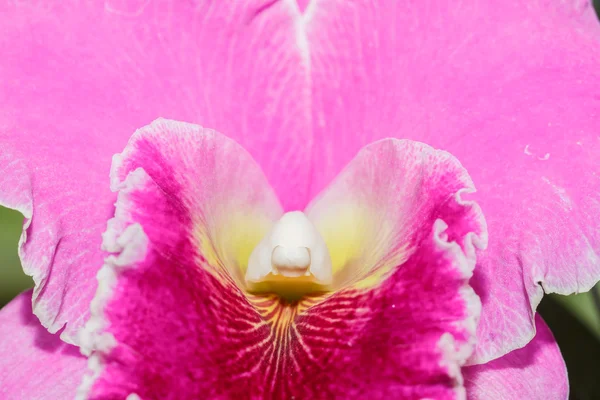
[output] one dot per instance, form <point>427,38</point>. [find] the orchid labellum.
<point>272,199</point>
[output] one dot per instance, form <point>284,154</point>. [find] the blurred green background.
<point>12,279</point>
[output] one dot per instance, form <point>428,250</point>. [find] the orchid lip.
<point>292,260</point>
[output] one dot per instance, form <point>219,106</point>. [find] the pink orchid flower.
<point>209,283</point>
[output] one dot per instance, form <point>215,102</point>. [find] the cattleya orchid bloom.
<point>310,246</point>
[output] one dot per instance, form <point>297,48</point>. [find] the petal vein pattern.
<point>79,77</point>
<point>535,372</point>
<point>173,319</point>
<point>511,91</point>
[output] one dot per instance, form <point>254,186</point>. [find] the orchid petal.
<point>170,320</point>
<point>192,205</point>
<point>35,364</point>
<point>79,77</point>
<point>515,81</point>
<point>511,90</point>
<point>535,372</point>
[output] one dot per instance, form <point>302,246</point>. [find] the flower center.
<point>292,260</point>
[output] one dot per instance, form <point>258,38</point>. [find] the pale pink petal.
<point>509,88</point>
<point>35,364</point>
<point>170,320</point>
<point>78,77</point>
<point>535,372</point>
<point>504,86</point>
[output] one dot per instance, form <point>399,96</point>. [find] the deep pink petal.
<point>79,77</point>
<point>185,194</point>
<point>35,364</point>
<point>381,338</point>
<point>169,323</point>
<point>504,86</point>
<point>511,90</point>
<point>535,372</point>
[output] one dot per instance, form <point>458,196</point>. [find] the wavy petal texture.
<point>80,77</point>
<point>170,321</point>
<point>535,372</point>
<point>35,364</point>
<point>509,89</point>
<point>378,206</point>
